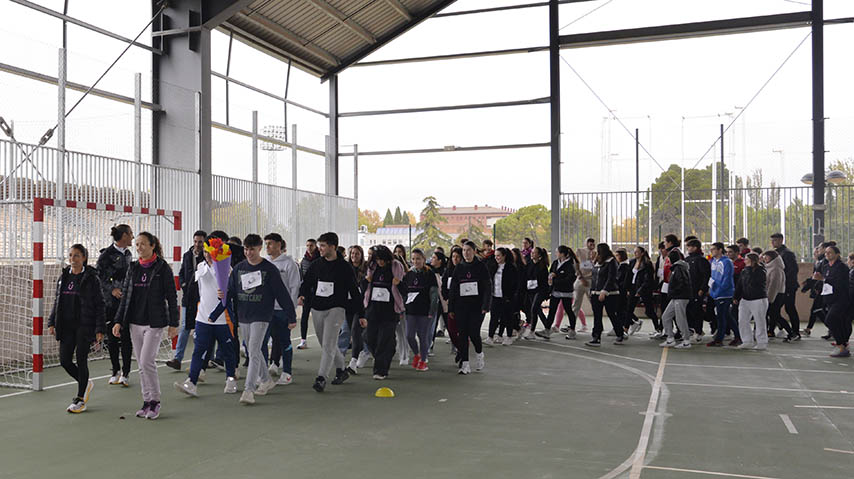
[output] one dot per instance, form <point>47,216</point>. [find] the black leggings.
<point>357,338</point>
<point>469,323</point>
<point>838,319</point>
<point>116,345</point>
<point>816,312</point>
<point>501,314</point>
<point>567,308</point>
<point>76,340</point>
<point>648,307</point>
<point>775,319</point>
<point>303,322</point>
<point>380,338</point>
<point>536,308</point>
<point>610,306</point>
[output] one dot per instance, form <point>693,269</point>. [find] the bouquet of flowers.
<point>221,255</point>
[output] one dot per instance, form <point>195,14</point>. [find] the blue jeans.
<point>344,337</point>
<point>723,313</point>
<point>183,336</point>
<point>205,336</point>
<point>280,329</point>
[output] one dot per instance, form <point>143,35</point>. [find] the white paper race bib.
<point>380,295</point>
<point>532,284</point>
<point>826,289</point>
<point>711,282</point>
<point>250,280</point>
<point>411,297</point>
<point>449,283</point>
<point>468,289</point>
<point>325,289</point>
<point>664,287</point>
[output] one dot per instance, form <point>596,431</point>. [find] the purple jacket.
<point>397,272</point>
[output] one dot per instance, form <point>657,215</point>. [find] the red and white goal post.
<point>146,216</point>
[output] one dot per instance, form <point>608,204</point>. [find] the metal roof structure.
<point>324,37</point>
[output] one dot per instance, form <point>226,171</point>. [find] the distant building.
<point>388,235</point>
<point>459,217</point>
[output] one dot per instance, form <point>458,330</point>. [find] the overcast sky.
<point>675,92</point>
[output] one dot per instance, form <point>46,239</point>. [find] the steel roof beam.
<point>219,11</point>
<point>290,37</point>
<point>268,48</point>
<point>344,20</point>
<point>399,8</point>
<point>535,101</point>
<point>508,7</point>
<point>450,149</point>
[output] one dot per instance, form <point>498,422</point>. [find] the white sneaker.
<point>404,362</point>
<point>285,379</point>
<point>187,387</point>
<point>527,334</point>
<point>247,398</point>
<point>745,346</point>
<point>274,370</point>
<point>698,338</point>
<point>479,363</point>
<point>635,327</point>
<point>124,381</point>
<point>465,368</point>
<point>489,342</point>
<point>583,328</point>
<point>363,359</point>
<point>683,345</point>
<point>668,344</point>
<point>611,333</point>
<point>89,387</point>
<point>230,386</point>
<point>570,334</point>
<point>202,375</point>
<point>113,380</point>
<point>509,340</point>
<point>265,387</point>
<point>354,364</point>
<point>302,344</point>
<point>760,347</point>
<point>76,406</point>
<point>379,377</point>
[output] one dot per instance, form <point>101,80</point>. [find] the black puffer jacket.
<point>112,267</point>
<point>605,278</point>
<point>536,272</point>
<point>836,275</point>
<point>565,275</point>
<point>701,271</point>
<point>162,296</point>
<point>642,283</point>
<point>91,310</point>
<point>751,284</point>
<point>679,286</point>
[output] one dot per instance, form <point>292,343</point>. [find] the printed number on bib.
<point>325,289</point>
<point>380,295</point>
<point>250,280</point>
<point>826,289</point>
<point>411,297</point>
<point>468,289</point>
<point>532,284</point>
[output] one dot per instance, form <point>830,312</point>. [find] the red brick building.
<point>459,217</point>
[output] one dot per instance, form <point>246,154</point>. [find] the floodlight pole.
<point>818,120</point>
<point>554,83</point>
<point>637,185</point>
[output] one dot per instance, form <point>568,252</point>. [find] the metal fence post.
<point>60,145</point>
<point>253,209</point>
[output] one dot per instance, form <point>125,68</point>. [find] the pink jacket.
<point>397,272</point>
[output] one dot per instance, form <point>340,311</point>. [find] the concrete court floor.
<point>539,410</point>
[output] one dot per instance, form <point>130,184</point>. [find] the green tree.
<point>531,221</point>
<point>472,232</point>
<point>398,217</point>
<point>431,236</point>
<point>371,219</point>
<point>388,219</point>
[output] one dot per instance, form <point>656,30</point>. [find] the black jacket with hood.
<point>90,312</point>
<point>162,296</point>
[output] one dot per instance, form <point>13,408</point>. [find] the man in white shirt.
<point>581,288</point>
<point>281,332</point>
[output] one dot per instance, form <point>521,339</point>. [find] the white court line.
<point>732,386</point>
<point>838,450</point>
<point>825,407</point>
<point>643,442</point>
<point>788,422</point>
<point>708,473</point>
<point>74,383</point>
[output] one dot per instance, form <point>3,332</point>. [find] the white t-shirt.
<point>208,301</point>
<point>497,292</point>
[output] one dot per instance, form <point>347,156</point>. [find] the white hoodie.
<point>208,301</point>
<point>289,270</point>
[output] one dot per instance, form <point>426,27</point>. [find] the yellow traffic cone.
<point>384,393</point>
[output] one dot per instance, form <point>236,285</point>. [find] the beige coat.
<point>776,282</point>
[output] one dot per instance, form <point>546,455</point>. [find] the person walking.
<point>834,292</point>
<point>680,292</point>
<point>564,272</point>
<point>603,295</point>
<point>470,298</point>
<point>190,297</point>
<point>790,268</point>
<point>751,295</point>
<point>420,301</point>
<point>112,269</point>
<point>721,290</point>
<point>311,255</point>
<point>642,283</point>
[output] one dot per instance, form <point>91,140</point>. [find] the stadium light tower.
<point>277,132</point>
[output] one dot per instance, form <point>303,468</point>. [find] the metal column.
<point>818,120</point>
<point>554,87</point>
<point>254,209</point>
<point>61,76</point>
<point>332,150</point>
<point>637,186</point>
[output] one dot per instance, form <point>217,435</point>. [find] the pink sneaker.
<point>153,410</point>
<point>143,412</point>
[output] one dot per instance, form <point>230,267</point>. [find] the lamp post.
<point>834,177</point>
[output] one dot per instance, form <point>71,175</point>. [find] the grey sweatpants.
<point>253,334</point>
<point>580,291</point>
<point>400,338</point>
<point>756,309</point>
<point>327,325</point>
<point>146,342</point>
<point>676,308</point>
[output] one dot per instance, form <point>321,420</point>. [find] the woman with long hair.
<point>420,288</point>
<point>149,304</point>
<point>751,295</point>
<point>470,298</point>
<point>835,275</point>
<point>445,292</point>
<point>384,305</point>
<point>112,267</point>
<point>564,272</point>
<point>356,257</point>
<point>642,283</point>
<point>603,295</point>
<point>399,254</point>
<point>438,264</point>
<point>505,287</point>
<point>537,289</point>
<point>77,321</point>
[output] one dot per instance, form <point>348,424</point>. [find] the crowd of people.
<point>387,303</point>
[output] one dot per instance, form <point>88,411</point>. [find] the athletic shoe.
<point>827,337</point>
<point>422,366</point>
<point>508,340</point>
<point>744,345</point>
<point>841,353</point>
<point>583,328</point>
<point>187,387</point>
<point>341,375</point>
<point>123,380</point>
<point>274,369</point>
<point>621,341</point>
<point>527,334</point>
<point>174,364</point>
<point>792,339</point>
<point>635,327</point>
<point>153,410</point>
<point>772,334</point>
<point>352,368</point>
<point>302,344</point>
<point>611,333</point>
<point>657,335</point>
<point>593,343</point>
<point>759,347</point>
<point>479,363</point>
<point>285,379</point>
<point>489,342</point>
<point>683,345</point>
<point>416,360</point>
<point>143,411</point>
<point>380,377</point>
<point>230,386</point>
<point>363,359</point>
<point>265,387</point>
<point>465,368</point>
<point>319,384</point>
<point>114,379</point>
<point>440,333</point>
<point>570,335</point>
<point>668,344</point>
<point>202,376</point>
<point>89,386</point>
<point>698,338</point>
<point>564,329</point>
<point>554,330</point>
<point>545,334</point>
<point>734,343</point>
<point>404,362</point>
<point>77,406</point>
<point>714,344</point>
<point>806,332</point>
<point>247,398</point>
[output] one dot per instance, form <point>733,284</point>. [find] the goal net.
<point>34,240</point>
